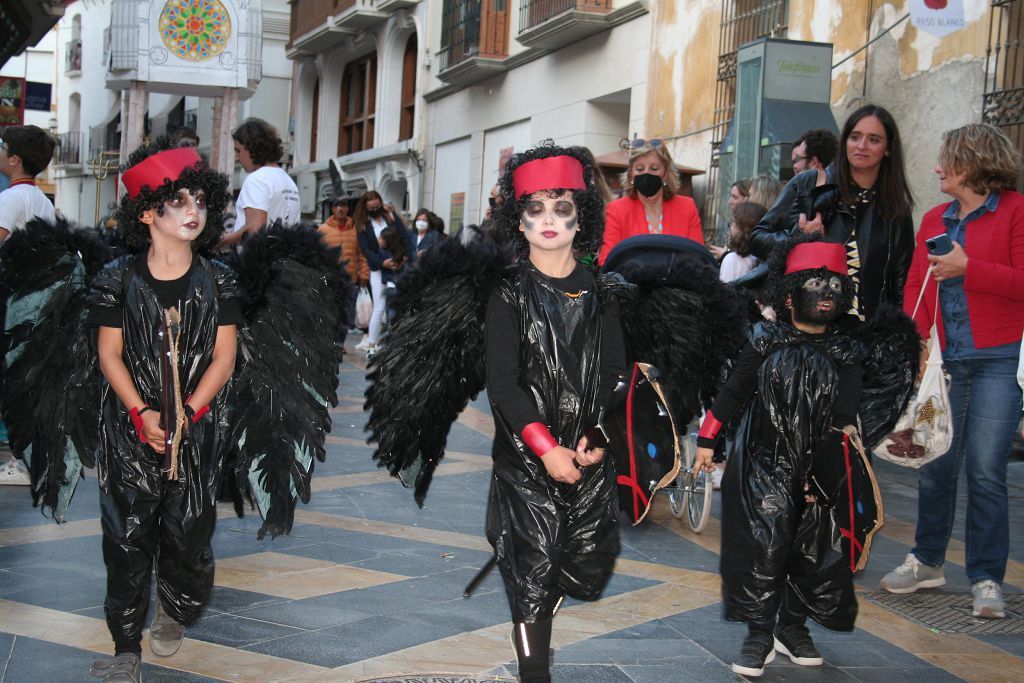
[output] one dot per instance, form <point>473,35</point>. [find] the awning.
<point>620,159</point>
<point>23,23</point>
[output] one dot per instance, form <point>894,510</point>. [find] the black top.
<point>169,293</point>
<point>503,344</point>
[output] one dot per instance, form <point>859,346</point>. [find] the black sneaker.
<point>757,651</point>
<point>795,642</point>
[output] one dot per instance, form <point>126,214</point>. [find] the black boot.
<point>532,641</point>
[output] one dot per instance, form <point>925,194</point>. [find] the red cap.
<point>814,255</point>
<point>552,173</point>
<point>159,168</point>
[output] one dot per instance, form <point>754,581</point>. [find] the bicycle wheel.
<point>677,496</point>
<point>698,504</point>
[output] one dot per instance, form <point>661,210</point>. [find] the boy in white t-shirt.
<point>25,152</point>
<point>268,193</point>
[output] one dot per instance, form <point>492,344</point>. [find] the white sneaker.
<point>14,473</point>
<point>911,575</point>
<point>364,343</point>
<point>988,600</point>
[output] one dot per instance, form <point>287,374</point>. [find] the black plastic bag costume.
<point>549,538</point>
<point>135,494</point>
<point>778,550</point>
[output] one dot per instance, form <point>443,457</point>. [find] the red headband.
<point>159,168</point>
<point>814,255</point>
<point>552,173</point>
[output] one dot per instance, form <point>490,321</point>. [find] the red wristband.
<point>198,415</point>
<point>538,438</point>
<point>136,416</point>
<point>710,427</point>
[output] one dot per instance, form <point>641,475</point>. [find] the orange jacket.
<point>625,218</point>
<point>346,238</point>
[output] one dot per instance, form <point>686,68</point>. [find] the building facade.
<point>92,100</point>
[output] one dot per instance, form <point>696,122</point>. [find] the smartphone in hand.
<point>940,245</point>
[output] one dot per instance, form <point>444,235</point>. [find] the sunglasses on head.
<point>637,143</point>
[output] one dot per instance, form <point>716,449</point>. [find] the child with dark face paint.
<point>778,567</point>
<point>554,354</point>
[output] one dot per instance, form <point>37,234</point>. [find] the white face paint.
<point>550,222</point>
<point>184,216</point>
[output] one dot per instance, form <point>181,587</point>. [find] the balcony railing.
<point>191,119</point>
<point>533,12</point>
<point>308,15</point>
<point>69,148</point>
<point>473,28</point>
<point>104,139</point>
<point>73,56</point>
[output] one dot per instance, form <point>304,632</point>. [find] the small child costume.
<point>145,514</point>
<point>782,557</point>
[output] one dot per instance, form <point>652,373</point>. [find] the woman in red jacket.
<point>651,204</point>
<point>980,319</point>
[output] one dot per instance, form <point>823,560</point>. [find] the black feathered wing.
<point>892,348</point>
<point>286,375</point>
<point>51,402</point>
<point>432,362</point>
<point>682,320</point>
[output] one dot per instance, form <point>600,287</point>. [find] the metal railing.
<point>73,55</point>
<point>104,139</point>
<point>190,119</point>
<point>70,147</point>
<point>309,14</point>
<point>1003,101</point>
<point>533,12</point>
<point>473,28</point>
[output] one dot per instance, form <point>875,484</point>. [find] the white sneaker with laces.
<point>364,343</point>
<point>14,473</point>
<point>911,575</point>
<point>988,600</point>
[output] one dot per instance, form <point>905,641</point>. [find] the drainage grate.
<point>438,678</point>
<point>951,612</point>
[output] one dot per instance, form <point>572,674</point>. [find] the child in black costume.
<point>167,343</point>
<point>781,561</point>
<point>554,354</point>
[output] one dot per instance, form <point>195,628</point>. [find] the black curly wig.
<point>199,177</point>
<point>589,202</point>
<point>779,285</point>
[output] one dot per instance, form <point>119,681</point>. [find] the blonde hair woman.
<point>651,204</point>
<point>979,272</point>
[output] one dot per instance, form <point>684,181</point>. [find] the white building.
<point>90,114</point>
<point>37,65</point>
<point>358,78</point>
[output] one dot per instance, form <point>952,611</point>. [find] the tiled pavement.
<point>368,586</point>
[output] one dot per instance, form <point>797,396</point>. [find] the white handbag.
<point>925,429</point>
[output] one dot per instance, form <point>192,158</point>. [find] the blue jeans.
<point>986,404</point>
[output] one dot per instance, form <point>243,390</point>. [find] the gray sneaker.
<point>911,575</point>
<point>988,600</point>
<point>165,634</point>
<point>124,668</point>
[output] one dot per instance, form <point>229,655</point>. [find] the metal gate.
<point>1003,103</point>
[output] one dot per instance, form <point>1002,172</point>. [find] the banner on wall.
<point>12,101</point>
<point>456,213</point>
<point>937,17</point>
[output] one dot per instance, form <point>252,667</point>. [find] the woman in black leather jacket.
<point>862,200</point>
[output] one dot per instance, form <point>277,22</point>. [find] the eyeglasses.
<point>800,158</point>
<point>637,143</point>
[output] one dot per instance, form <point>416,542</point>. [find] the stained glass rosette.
<point>195,30</point>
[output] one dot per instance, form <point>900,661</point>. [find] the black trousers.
<point>148,519</point>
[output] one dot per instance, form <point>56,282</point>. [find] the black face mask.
<point>807,301</point>
<point>647,184</point>
<point>377,212</point>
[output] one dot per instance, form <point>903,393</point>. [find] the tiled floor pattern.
<point>368,586</point>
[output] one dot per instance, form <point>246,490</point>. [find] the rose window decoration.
<point>196,30</point>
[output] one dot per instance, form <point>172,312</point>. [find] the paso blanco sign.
<point>938,17</point>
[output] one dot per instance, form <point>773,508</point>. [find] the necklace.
<point>656,229</point>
